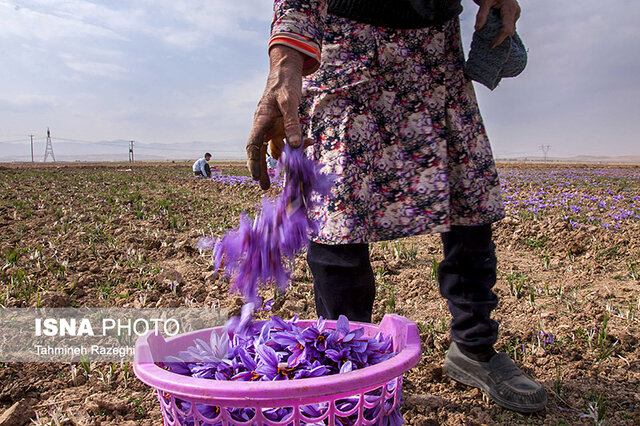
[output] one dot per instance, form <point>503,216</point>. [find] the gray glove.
<point>488,66</point>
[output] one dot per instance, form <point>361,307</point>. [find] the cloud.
<point>187,24</point>
<point>26,103</point>
<point>99,69</point>
<point>47,25</point>
<point>197,23</point>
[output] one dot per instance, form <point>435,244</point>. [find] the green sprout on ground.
<point>516,282</point>
<point>558,381</point>
<point>433,269</point>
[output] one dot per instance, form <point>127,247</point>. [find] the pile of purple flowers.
<point>279,350</point>
<point>283,350</point>
<point>253,253</point>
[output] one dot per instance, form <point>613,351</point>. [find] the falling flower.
<point>255,252</point>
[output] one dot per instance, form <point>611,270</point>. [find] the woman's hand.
<point>509,12</point>
<point>276,116</point>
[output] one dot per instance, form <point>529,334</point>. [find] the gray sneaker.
<point>499,378</point>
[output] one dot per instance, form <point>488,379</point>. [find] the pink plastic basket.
<point>375,389</point>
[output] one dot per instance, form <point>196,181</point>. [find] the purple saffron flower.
<point>267,306</point>
<point>249,364</point>
<point>269,366</point>
<point>314,336</point>
<point>242,326</point>
<point>206,370</point>
<point>339,357</point>
<point>347,367</point>
<point>313,411</point>
<point>278,414</point>
<point>314,370</point>
<point>206,243</point>
<point>546,338</point>
<point>294,343</point>
<point>176,365</point>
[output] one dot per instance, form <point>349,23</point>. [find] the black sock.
<point>480,353</point>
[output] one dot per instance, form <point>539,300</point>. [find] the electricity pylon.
<point>49,148</point>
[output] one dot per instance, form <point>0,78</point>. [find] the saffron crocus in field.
<point>267,305</point>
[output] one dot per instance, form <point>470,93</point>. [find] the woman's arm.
<point>294,51</point>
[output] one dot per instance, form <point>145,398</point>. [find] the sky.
<point>177,72</point>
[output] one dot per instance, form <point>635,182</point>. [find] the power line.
<point>72,140</point>
<point>13,140</point>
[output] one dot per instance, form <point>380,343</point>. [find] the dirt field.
<point>93,235</point>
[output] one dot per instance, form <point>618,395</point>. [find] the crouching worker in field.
<point>378,91</point>
<point>201,167</point>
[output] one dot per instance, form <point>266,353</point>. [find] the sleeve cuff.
<point>302,44</point>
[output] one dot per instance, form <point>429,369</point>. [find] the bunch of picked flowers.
<point>256,251</point>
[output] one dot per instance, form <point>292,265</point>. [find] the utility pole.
<point>31,148</point>
<point>49,148</point>
<point>545,151</point>
<point>131,151</point>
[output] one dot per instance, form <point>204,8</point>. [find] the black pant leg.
<point>207,170</point>
<point>343,280</point>
<point>466,276</point>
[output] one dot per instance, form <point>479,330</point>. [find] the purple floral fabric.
<point>303,17</point>
<point>394,117</point>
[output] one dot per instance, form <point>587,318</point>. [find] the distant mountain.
<point>118,150</point>
<point>623,159</point>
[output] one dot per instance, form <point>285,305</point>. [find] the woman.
<point>384,104</point>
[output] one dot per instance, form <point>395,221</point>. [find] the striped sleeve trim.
<point>299,43</point>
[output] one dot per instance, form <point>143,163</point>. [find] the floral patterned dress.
<point>394,117</point>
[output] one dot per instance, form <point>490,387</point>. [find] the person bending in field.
<point>377,91</point>
<point>201,167</point>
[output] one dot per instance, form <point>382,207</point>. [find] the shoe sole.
<point>459,375</point>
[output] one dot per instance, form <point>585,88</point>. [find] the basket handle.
<point>404,330</point>
<point>147,345</point>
